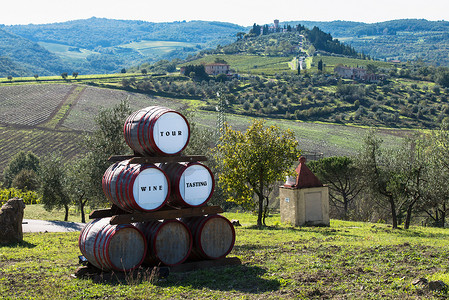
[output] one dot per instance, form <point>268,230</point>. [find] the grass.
<point>64,52</point>
<point>152,48</point>
<point>348,260</point>
<point>37,212</point>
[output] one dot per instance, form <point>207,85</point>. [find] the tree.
<point>26,180</point>
<point>144,71</point>
<point>378,174</point>
<point>320,65</point>
<point>108,138</point>
<point>10,78</point>
<point>123,71</point>
<point>251,162</point>
<point>36,76</point>
<point>75,74</point>
<point>197,72</point>
<point>53,184</point>
<point>81,183</point>
<point>371,68</point>
<point>443,78</point>
<point>105,141</point>
<point>411,180</point>
<point>21,161</point>
<point>340,174</point>
<point>436,200</point>
<point>64,75</point>
<point>256,29</point>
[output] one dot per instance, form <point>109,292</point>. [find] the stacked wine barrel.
<point>145,187</point>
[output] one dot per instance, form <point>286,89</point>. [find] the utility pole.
<point>221,109</point>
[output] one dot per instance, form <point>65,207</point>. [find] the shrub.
<point>29,197</point>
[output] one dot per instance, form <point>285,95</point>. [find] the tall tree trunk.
<point>260,213</point>
<point>260,195</point>
<point>442,219</point>
<point>345,207</point>
<point>394,216</point>
<point>66,217</point>
<point>82,205</point>
<point>408,218</point>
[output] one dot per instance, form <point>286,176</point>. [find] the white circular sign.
<point>171,132</point>
<point>195,185</point>
<point>150,188</point>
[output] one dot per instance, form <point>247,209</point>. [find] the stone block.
<point>11,217</point>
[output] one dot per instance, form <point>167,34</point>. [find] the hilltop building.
<point>358,74</point>
<point>212,69</point>
<point>217,68</point>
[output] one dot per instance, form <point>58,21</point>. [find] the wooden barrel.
<point>169,242</point>
<point>112,247</point>
<point>192,184</point>
<point>136,187</point>
<point>157,130</point>
<point>213,236</point>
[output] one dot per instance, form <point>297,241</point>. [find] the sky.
<point>242,12</point>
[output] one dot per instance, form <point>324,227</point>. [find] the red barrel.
<point>169,242</point>
<point>213,236</point>
<point>192,184</point>
<point>112,247</point>
<point>157,130</point>
<point>136,187</point>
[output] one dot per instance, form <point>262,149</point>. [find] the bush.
<point>29,197</point>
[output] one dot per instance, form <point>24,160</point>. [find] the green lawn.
<point>348,260</point>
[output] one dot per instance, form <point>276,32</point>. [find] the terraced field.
<point>31,104</point>
<point>53,117</point>
<point>41,142</point>
<point>92,99</point>
<point>44,118</point>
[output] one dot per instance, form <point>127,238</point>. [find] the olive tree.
<point>19,162</point>
<point>53,184</point>
<point>340,174</point>
<point>252,161</point>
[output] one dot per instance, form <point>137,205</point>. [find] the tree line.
<point>62,184</point>
<point>404,185</point>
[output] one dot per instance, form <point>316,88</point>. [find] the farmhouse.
<point>358,74</point>
<point>217,68</point>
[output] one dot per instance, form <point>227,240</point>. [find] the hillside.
<point>22,57</point>
<point>407,39</point>
<point>98,45</point>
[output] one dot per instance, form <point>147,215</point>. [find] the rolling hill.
<point>22,57</point>
<point>404,40</point>
<point>98,45</point>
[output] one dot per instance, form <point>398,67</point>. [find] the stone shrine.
<point>305,201</point>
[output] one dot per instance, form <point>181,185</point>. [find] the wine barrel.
<point>192,184</point>
<point>112,247</point>
<point>157,131</point>
<point>213,236</point>
<point>136,187</point>
<point>169,242</point>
